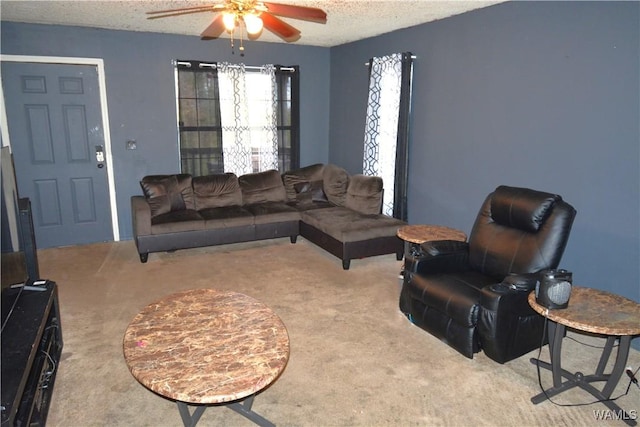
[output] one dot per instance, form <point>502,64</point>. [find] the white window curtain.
<point>381,128</point>
<point>386,137</point>
<point>248,118</point>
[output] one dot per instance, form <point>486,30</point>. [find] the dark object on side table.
<point>473,295</point>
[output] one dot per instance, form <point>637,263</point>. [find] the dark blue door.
<point>56,135</point>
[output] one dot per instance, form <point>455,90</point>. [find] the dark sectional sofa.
<point>323,203</point>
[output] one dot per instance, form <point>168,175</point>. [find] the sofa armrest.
<point>445,256</point>
<point>140,216</point>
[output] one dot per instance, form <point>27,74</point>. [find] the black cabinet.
<point>31,349</point>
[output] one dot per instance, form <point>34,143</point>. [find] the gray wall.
<point>537,94</point>
<point>141,95</point>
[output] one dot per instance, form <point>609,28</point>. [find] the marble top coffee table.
<point>207,347</point>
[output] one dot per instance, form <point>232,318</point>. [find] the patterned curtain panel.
<point>248,118</point>
<point>386,128</point>
<point>266,121</point>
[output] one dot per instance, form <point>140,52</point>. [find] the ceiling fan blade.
<point>184,12</point>
<point>180,9</point>
<point>214,29</point>
<point>280,28</point>
<point>297,12</point>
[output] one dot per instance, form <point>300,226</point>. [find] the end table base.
<point>583,381</point>
<point>242,407</point>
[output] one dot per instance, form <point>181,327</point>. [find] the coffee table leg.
<point>244,409</point>
<point>188,419</point>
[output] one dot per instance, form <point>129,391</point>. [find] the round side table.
<point>592,311</point>
<point>419,234</point>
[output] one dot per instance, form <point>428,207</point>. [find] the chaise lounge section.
<point>323,203</point>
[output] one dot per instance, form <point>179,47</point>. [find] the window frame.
<point>287,115</point>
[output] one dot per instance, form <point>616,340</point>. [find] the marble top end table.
<point>598,312</point>
<point>419,234</point>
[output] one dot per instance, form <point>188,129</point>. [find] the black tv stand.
<point>31,349</point>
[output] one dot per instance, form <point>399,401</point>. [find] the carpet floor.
<point>355,359</point>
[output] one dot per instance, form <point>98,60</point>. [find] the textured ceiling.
<point>347,20</point>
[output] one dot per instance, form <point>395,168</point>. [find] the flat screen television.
<point>19,262</point>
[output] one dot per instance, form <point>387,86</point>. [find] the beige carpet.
<point>355,360</point>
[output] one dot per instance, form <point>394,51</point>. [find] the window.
<point>234,118</point>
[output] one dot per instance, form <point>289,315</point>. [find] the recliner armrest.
<point>520,281</point>
<point>507,324</point>
<point>444,256</point>
<point>511,294</point>
<point>444,247</point>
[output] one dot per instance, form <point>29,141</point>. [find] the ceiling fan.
<point>255,15</point>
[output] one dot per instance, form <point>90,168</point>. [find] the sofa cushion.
<point>213,191</point>
<point>226,216</point>
<point>271,212</point>
<point>177,222</point>
<point>335,182</point>
<point>305,174</point>
<point>262,187</point>
<point>521,208</point>
<point>364,194</point>
<point>168,193</point>
<point>347,225</point>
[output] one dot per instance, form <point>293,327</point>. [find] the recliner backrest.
<point>519,230</point>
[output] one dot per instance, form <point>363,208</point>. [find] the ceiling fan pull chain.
<point>241,41</point>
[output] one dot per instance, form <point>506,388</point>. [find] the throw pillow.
<point>168,193</point>
<point>304,174</point>
<point>310,192</point>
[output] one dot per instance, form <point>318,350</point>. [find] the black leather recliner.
<point>473,295</point>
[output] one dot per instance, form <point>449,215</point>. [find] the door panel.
<point>55,126</point>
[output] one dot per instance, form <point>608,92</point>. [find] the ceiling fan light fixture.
<point>229,20</point>
<point>253,23</point>
<point>249,17</point>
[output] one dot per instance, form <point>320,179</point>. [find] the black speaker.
<point>553,289</point>
<point>28,238</point>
